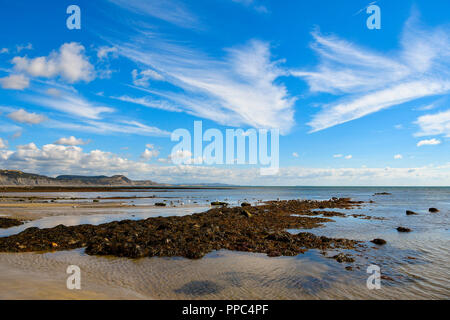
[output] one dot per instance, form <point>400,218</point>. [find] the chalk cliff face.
<point>19,178</point>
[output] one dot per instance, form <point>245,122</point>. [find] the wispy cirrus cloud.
<point>253,4</point>
<point>150,103</point>
<point>171,11</point>
<point>367,81</point>
<point>70,103</point>
<point>108,128</point>
<point>240,89</point>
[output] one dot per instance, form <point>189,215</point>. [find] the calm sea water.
<point>417,262</point>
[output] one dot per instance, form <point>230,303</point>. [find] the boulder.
<point>379,241</point>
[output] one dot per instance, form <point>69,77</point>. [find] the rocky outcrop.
<point>261,229</point>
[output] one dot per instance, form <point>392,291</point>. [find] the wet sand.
<point>417,263</point>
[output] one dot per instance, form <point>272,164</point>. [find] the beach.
<point>413,264</point>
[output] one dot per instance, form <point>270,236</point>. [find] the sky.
<point>353,105</point>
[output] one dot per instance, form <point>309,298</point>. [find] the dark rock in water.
<point>410,213</point>
<point>403,229</point>
<point>382,194</point>
<point>433,210</point>
<point>218,203</point>
<point>379,241</point>
<point>8,223</point>
<point>160,204</point>
<point>245,204</point>
<point>341,257</point>
<point>384,277</point>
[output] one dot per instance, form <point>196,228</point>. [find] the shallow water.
<point>417,262</point>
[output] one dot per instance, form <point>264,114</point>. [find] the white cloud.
<point>150,146</point>
<point>150,103</point>
<point>70,103</point>
<point>4,50</point>
<point>398,157</point>
<point>143,77</point>
<point>71,141</point>
<point>54,160</point>
<point>430,142</point>
<point>3,144</point>
<point>254,4</point>
<point>367,81</point>
<point>434,124</point>
<point>238,90</point>
<point>148,154</point>
<point>172,11</point>
<point>23,116</point>
<point>28,46</point>
<point>15,82</point>
<point>295,155</point>
<point>99,127</point>
<point>104,52</point>
<point>338,156</point>
<point>70,63</point>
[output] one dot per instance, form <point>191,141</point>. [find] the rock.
<point>382,194</point>
<point>403,229</point>
<point>218,203</point>
<point>410,213</point>
<point>433,210</point>
<point>160,204</point>
<point>384,277</point>
<point>245,204</point>
<point>8,223</point>
<point>379,241</point>
<point>341,257</point>
<point>193,236</point>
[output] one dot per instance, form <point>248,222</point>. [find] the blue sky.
<point>354,106</point>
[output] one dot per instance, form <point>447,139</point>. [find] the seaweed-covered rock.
<point>403,229</point>
<point>410,213</point>
<point>379,242</point>
<point>433,210</point>
<point>341,257</point>
<point>262,229</point>
<point>219,203</point>
<point>160,204</point>
<point>8,223</point>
